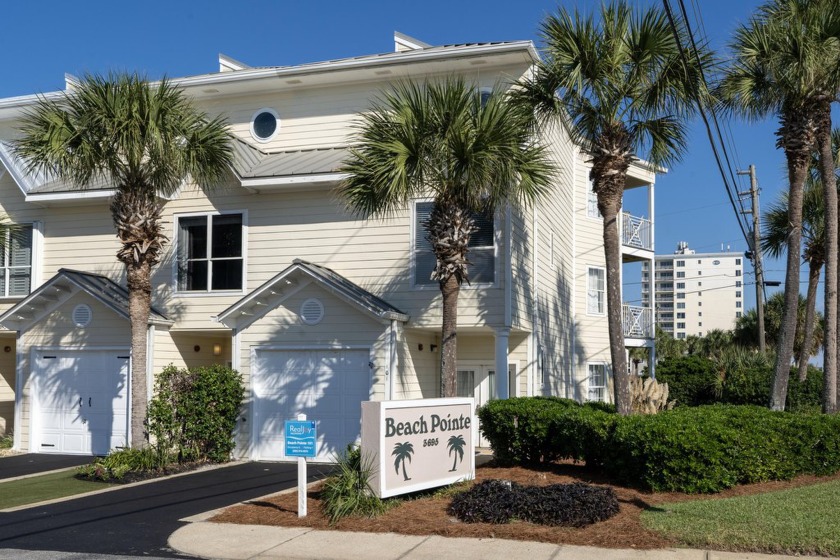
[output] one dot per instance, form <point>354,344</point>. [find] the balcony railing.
<point>638,321</point>
<point>636,232</point>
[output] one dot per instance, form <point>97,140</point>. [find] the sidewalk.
<point>243,542</point>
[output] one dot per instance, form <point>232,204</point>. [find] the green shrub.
<point>692,380</point>
<point>348,491</point>
<point>567,505</point>
<point>194,412</point>
<point>6,441</point>
<point>118,464</point>
<point>533,430</point>
<point>689,449</point>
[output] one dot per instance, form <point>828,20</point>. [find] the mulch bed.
<point>426,515</point>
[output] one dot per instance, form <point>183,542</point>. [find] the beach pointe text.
<point>420,426</point>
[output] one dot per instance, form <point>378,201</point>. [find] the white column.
<point>502,381</point>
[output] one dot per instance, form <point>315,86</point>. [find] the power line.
<point>728,181</point>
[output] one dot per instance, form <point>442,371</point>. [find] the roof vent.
<point>82,315</point>
<point>312,311</point>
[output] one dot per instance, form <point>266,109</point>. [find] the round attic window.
<point>312,311</point>
<point>264,125</point>
<point>82,315</point>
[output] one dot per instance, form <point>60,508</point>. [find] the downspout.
<point>392,360</point>
<point>536,346</point>
<point>150,362</point>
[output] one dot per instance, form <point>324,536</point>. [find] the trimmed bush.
<point>690,449</point>
<point>194,412</point>
<point>567,505</point>
<point>533,430</point>
<point>117,465</point>
<point>691,380</point>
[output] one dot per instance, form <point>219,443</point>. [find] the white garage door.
<point>326,385</point>
<point>81,401</point>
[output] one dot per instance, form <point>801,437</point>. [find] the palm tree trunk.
<point>827,174</point>
<point>448,344</point>
<point>810,312</point>
<point>796,137</point>
<point>612,256</point>
<point>139,303</point>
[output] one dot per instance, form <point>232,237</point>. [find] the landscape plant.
<point>348,491</point>
<point>564,505</point>
<point>194,411</point>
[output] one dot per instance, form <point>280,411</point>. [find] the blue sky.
<point>43,40</point>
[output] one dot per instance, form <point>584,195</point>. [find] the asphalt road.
<point>137,521</point>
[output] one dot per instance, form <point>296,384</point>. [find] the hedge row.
<point>694,449</point>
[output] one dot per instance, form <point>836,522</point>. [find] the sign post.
<point>299,438</point>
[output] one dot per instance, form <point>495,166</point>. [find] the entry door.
<point>479,382</point>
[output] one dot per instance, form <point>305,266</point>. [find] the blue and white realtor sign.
<point>300,437</point>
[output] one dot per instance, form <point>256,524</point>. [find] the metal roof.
<point>251,162</point>
<point>102,288</point>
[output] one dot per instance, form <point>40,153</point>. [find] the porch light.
<point>217,349</point>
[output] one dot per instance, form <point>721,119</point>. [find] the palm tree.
<point>146,139</point>
<point>456,445</point>
<point>471,153</point>
<point>623,91</point>
<point>745,332</point>
<point>402,452</point>
<point>773,242</point>
<point>787,63</point>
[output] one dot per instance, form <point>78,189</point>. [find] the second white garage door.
<point>326,385</point>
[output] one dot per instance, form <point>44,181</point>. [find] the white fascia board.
<point>70,196</point>
<point>372,61</point>
<point>293,180</point>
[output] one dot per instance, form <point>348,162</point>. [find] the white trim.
<point>294,180</point>
<point>390,384</point>
<point>588,289</point>
<point>150,365</point>
<point>270,137</point>
<point>605,387</point>
<point>508,246</point>
<point>209,292</point>
<point>65,196</point>
<point>36,277</point>
<point>322,67</point>
<point>19,362</point>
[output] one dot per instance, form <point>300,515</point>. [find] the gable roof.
<point>62,286</point>
<point>328,279</point>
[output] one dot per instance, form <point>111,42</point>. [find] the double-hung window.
<point>592,202</point>
<point>596,291</point>
<point>210,253</point>
<point>597,382</point>
<point>16,271</point>
<point>481,255</point>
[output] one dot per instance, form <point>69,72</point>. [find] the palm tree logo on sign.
<point>402,451</point>
<point>456,445</point>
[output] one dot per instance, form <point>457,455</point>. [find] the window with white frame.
<point>592,202</point>
<point>17,260</point>
<point>210,252</point>
<point>681,306</point>
<point>597,382</point>
<point>482,249</point>
<point>596,291</point>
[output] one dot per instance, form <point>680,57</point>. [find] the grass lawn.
<point>46,487</point>
<point>798,520</point>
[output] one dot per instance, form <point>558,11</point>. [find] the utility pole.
<point>756,252</point>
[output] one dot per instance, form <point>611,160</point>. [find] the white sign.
<point>418,444</point>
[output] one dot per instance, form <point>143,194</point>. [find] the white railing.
<point>636,232</point>
<point>637,321</point>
